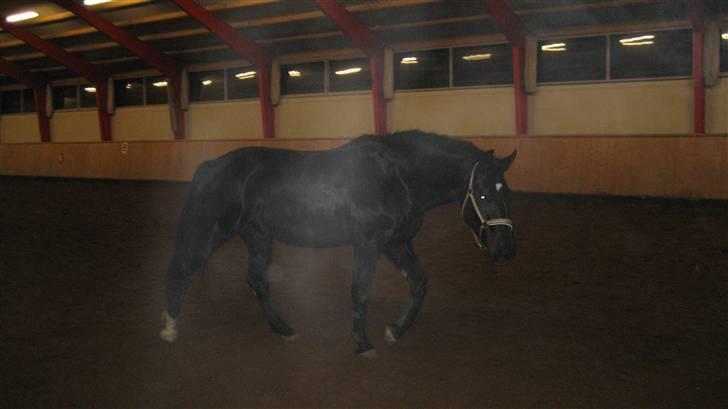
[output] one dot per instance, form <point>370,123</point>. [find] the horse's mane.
<point>425,147</point>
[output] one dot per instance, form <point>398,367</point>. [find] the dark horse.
<point>371,194</point>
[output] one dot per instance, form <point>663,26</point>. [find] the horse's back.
<point>318,198</point>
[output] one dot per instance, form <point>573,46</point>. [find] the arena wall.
<point>631,138</point>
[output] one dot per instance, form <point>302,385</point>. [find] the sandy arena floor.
<point>609,303</point>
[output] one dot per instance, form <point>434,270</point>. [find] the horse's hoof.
<point>290,338</point>
<point>168,334</point>
<point>369,353</point>
<point>389,336</point>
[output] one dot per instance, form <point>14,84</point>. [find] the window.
<point>129,92</point>
<point>88,96</point>
<point>422,69</point>
<point>242,83</point>
<point>724,50</point>
<point>157,90</point>
<point>349,75</point>
<point>572,59</point>
<point>483,65</point>
<point>28,100</point>
<point>207,85</point>
<point>302,78</point>
<point>654,54</point>
<point>65,97</point>
<point>11,102</point>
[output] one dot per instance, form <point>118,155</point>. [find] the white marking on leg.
<point>404,274</point>
<point>169,333</point>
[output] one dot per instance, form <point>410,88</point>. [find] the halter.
<point>484,223</point>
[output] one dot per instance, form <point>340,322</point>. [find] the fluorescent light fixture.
<point>206,82</point>
<point>25,15</point>
<point>129,85</point>
<point>160,84</point>
<point>90,89</point>
<point>294,73</point>
<point>477,57</point>
<point>245,75</point>
<point>640,40</point>
<point>554,47</point>
<point>348,71</point>
<point>94,2</point>
<point>724,36</point>
<point>409,60</point>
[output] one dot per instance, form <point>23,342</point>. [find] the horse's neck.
<point>443,179</point>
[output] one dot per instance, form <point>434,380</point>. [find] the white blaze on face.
<point>498,186</point>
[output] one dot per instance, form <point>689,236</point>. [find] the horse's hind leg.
<point>195,243</point>
<point>365,259</point>
<point>404,258</point>
<point>259,254</point>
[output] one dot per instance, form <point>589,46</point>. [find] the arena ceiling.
<point>299,30</point>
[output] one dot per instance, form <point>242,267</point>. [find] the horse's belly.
<point>313,232</point>
<point>312,229</point>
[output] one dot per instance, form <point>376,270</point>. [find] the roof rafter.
<point>165,64</point>
<point>151,55</point>
<point>92,73</point>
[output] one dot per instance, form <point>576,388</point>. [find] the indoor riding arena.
<point>612,215</point>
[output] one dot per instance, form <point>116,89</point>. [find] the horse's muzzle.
<point>500,244</point>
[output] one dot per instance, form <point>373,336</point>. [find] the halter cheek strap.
<point>484,223</point>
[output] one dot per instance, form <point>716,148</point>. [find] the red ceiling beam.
<point>515,31</point>
<point>357,31</point>
<point>372,46</point>
<point>168,66</point>
<point>94,74</point>
<point>260,57</point>
<point>696,13</point>
<point>38,83</point>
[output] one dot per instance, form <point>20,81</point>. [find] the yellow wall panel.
<point>645,107</point>
<point>143,123</point>
<point>228,120</point>
<point>329,116</point>
<point>19,128</point>
<point>75,126</point>
<point>481,111</point>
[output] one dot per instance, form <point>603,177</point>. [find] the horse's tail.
<point>209,217</point>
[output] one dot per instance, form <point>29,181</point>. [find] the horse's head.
<point>487,207</point>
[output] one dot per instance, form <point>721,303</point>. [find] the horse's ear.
<point>505,163</point>
<point>490,154</point>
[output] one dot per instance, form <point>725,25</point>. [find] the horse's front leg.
<point>259,255</point>
<point>403,257</point>
<point>365,260</point>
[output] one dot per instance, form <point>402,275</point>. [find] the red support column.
<point>164,63</point>
<point>372,46</point>
<point>247,48</point>
<point>41,98</point>
<point>519,91</point>
<point>102,98</point>
<point>83,68</point>
<point>698,85</point>
<point>376,67</point>
<point>267,113</point>
<point>180,129</point>
<point>515,31</point>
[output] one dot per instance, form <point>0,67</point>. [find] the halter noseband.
<point>484,223</point>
